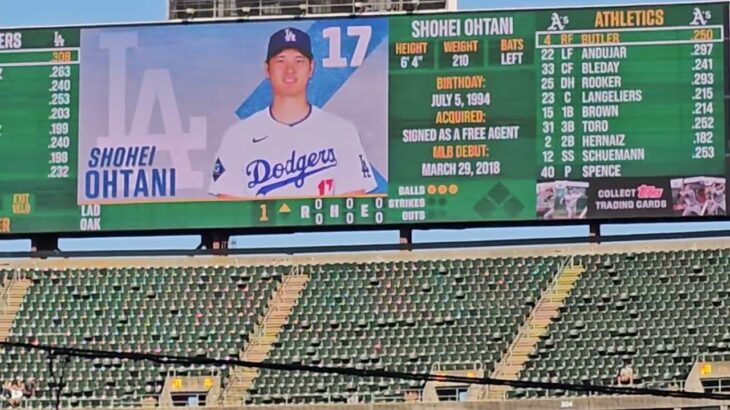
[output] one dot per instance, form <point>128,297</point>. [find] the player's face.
<point>289,72</point>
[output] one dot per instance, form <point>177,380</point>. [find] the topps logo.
<point>649,192</point>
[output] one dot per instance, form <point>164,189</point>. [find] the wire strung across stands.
<point>66,352</point>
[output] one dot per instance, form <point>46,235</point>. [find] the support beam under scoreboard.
<point>44,243</point>
<point>406,238</point>
<point>594,232</point>
<point>216,240</point>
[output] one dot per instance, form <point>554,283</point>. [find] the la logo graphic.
<point>289,37</point>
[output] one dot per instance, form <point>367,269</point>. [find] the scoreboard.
<point>472,117</point>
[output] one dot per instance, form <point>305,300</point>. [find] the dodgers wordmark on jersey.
<point>321,155</point>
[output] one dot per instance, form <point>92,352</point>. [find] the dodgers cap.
<point>287,38</point>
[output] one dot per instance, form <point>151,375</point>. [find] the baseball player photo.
<point>291,148</point>
<point>545,200</point>
<point>699,196</point>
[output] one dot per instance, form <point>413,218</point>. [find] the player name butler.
<point>291,148</point>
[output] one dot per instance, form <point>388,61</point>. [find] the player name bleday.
<point>601,67</point>
<point>507,132</point>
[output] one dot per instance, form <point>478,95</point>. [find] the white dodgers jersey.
<point>321,155</point>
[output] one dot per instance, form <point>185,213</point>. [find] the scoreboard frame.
<point>48,240</point>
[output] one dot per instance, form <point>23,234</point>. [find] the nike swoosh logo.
<point>255,140</point>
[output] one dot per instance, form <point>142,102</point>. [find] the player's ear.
<point>266,69</point>
<point>311,68</point>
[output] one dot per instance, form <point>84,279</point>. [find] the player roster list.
<point>39,71</point>
<point>631,108</point>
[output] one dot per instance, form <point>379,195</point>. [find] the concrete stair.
<point>535,327</point>
<point>14,293</point>
<point>262,339</point>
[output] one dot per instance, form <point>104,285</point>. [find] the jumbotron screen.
<point>471,117</point>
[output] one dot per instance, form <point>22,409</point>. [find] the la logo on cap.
<point>289,37</point>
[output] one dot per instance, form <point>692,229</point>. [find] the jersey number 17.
<point>326,187</point>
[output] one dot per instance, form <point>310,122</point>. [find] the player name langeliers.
<point>611,96</point>
<point>507,132</point>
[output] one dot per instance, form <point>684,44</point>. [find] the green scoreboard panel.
<point>474,117</point>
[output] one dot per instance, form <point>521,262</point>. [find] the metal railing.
<point>526,327</point>
<point>185,9</point>
<point>5,293</point>
<point>401,396</point>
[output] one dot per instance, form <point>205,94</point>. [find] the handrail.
<point>437,366</point>
<point>215,9</point>
<point>5,293</point>
<point>259,332</point>
<point>526,325</point>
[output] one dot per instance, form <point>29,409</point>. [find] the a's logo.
<point>700,17</point>
<point>267,176</point>
<point>255,140</point>
<point>558,22</point>
<point>364,168</point>
<point>289,37</point>
<point>218,169</point>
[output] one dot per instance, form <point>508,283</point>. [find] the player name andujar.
<point>603,53</point>
<point>473,26</point>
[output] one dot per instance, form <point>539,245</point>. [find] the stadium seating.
<point>656,310</point>
<point>659,310</point>
<point>205,310</point>
<point>402,316</point>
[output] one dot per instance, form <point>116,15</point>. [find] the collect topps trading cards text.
<point>248,111</point>
<point>698,196</point>
<point>562,200</point>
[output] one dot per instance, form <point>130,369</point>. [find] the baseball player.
<point>291,148</point>
<point>692,205</point>
<point>570,199</point>
<point>546,203</point>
